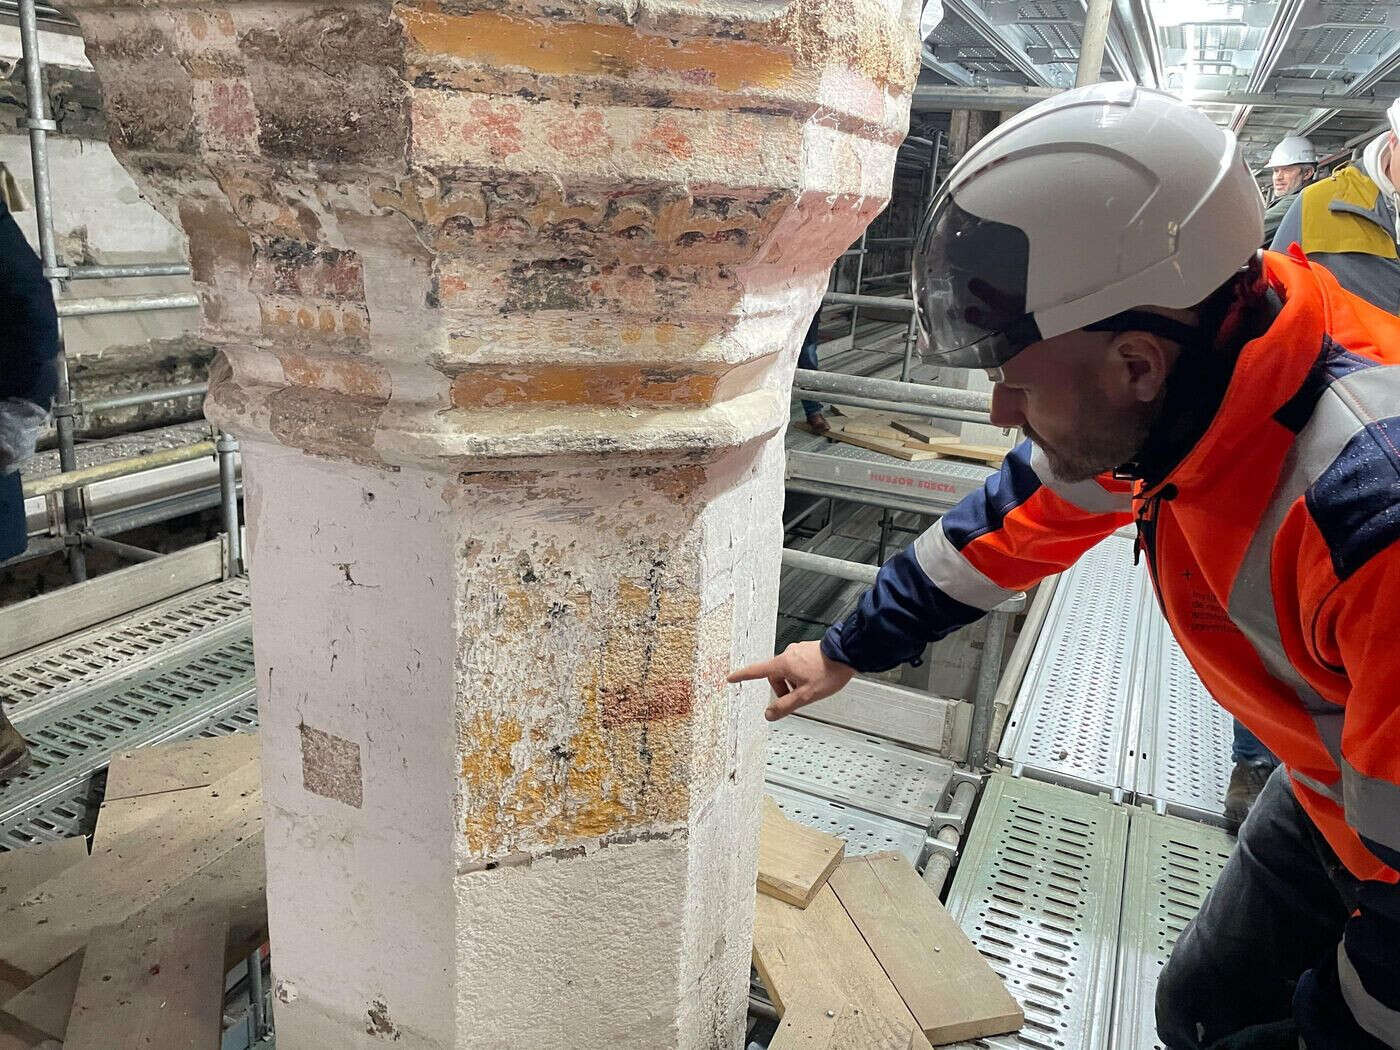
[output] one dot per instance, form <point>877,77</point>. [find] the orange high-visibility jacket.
<point>1272,549</point>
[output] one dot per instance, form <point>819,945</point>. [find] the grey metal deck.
<point>1109,701</point>
<point>935,483</point>
<point>1039,890</point>
<point>181,668</point>
<point>1076,902</point>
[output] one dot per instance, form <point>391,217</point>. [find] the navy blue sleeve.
<point>29,332</point>
<point>896,618</point>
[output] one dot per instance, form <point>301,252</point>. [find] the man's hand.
<point>800,675</point>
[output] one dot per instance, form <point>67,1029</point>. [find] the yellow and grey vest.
<point>1346,224</point>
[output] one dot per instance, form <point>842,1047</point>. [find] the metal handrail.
<point>118,468</point>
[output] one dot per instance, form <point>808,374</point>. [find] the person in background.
<point>1293,165</point>
<point>1347,222</point>
<point>28,383</point>
<point>807,358</point>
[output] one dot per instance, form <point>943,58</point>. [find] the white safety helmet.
<point>1077,210</point>
<point>1294,149</point>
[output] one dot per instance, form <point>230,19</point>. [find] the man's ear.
<point>1141,362</point>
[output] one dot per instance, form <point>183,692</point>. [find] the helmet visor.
<point>969,284</point>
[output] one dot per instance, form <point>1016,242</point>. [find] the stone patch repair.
<point>330,767</point>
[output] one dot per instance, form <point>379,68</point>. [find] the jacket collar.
<point>1263,374</point>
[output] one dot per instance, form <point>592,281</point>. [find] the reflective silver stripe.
<point>1088,496</point>
<point>1322,789</point>
<point>1342,412</point>
<point>1370,1013</point>
<point>1372,805</point>
<point>953,574</point>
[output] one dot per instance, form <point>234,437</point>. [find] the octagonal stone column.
<point>510,296</point>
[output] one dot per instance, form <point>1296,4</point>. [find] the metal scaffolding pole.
<point>227,447</point>
<point>860,271</point>
<point>127,304</point>
<point>37,122</point>
<point>1097,14</point>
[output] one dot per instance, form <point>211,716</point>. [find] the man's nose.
<point>1006,408</point>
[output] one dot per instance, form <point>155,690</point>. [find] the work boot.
<point>14,751</point>
<point>1247,779</point>
<point>818,423</point>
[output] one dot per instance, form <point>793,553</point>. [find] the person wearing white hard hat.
<point>1348,222</point>
<point>1292,165</point>
<point>1098,256</point>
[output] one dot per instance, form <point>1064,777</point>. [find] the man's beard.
<point>1097,450</point>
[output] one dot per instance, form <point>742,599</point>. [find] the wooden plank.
<point>889,448</point>
<point>903,715</point>
<point>16,1035</point>
<point>879,427</point>
<point>923,430</point>
<point>807,1027</point>
<point>815,957</point>
<point>128,874</point>
<point>135,778</point>
<point>794,861</point>
<point>990,454</point>
<point>156,979</point>
<point>23,869</point>
<point>947,985</point>
<point>49,616</point>
<point>46,1004</point>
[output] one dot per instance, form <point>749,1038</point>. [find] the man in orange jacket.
<point>1097,255</point>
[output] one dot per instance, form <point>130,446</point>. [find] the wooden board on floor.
<point>156,979</point>
<point>16,1035</point>
<point>47,1002</point>
<point>889,448</point>
<point>953,447</point>
<point>794,861</point>
<point>119,879</point>
<point>876,428</point>
<point>923,430</point>
<point>951,990</point>
<point>806,1027</point>
<point>23,869</point>
<point>144,784</point>
<point>814,957</point>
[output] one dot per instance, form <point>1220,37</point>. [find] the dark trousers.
<point>807,358</point>
<point>1277,910</point>
<point>1246,747</point>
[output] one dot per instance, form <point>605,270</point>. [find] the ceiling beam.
<point>1285,19</point>
<point>1384,66</point>
<point>1134,19</point>
<point>1008,97</point>
<point>971,13</point>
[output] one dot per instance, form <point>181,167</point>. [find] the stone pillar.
<point>509,298</point>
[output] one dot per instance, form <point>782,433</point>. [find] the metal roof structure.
<point>1265,68</point>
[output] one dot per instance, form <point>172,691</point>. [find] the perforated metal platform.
<point>1074,718</point>
<point>1039,889</point>
<point>856,770</point>
<point>1183,753</point>
<point>1172,863</point>
<point>1110,702</point>
<point>864,832</point>
<point>178,669</point>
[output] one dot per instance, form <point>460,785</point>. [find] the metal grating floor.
<point>1110,702</point>
<point>1073,717</point>
<point>1172,863</point>
<point>864,832</point>
<point>178,669</point>
<point>842,766</point>
<point>1039,889</point>
<point>1184,751</point>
